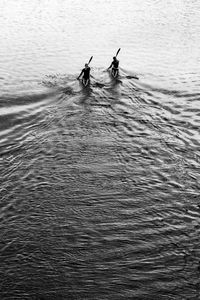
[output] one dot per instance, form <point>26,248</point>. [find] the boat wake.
<point>99,176</point>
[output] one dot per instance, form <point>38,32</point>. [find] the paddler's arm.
<point>80,75</point>
<point>110,65</point>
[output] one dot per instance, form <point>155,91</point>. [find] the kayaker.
<point>86,75</point>
<point>115,66</point>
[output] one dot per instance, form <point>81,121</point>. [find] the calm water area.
<point>100,186</point>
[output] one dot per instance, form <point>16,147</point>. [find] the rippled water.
<point>99,194</point>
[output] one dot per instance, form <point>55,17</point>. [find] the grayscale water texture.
<point>99,186</point>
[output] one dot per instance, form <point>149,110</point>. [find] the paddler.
<point>115,66</point>
<point>86,75</point>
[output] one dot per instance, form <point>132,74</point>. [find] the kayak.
<point>85,82</point>
<point>114,73</point>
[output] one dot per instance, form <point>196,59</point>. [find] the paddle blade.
<point>90,59</point>
<point>118,52</point>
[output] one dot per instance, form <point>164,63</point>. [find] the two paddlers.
<point>86,71</point>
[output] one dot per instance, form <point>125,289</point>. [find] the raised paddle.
<point>117,52</point>
<point>90,59</point>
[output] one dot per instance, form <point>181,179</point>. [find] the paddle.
<point>90,59</point>
<point>117,52</point>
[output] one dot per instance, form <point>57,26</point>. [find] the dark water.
<point>99,194</point>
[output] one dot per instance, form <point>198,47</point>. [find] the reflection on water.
<point>99,194</point>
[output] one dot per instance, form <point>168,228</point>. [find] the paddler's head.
<point>86,65</point>
<point>114,57</point>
